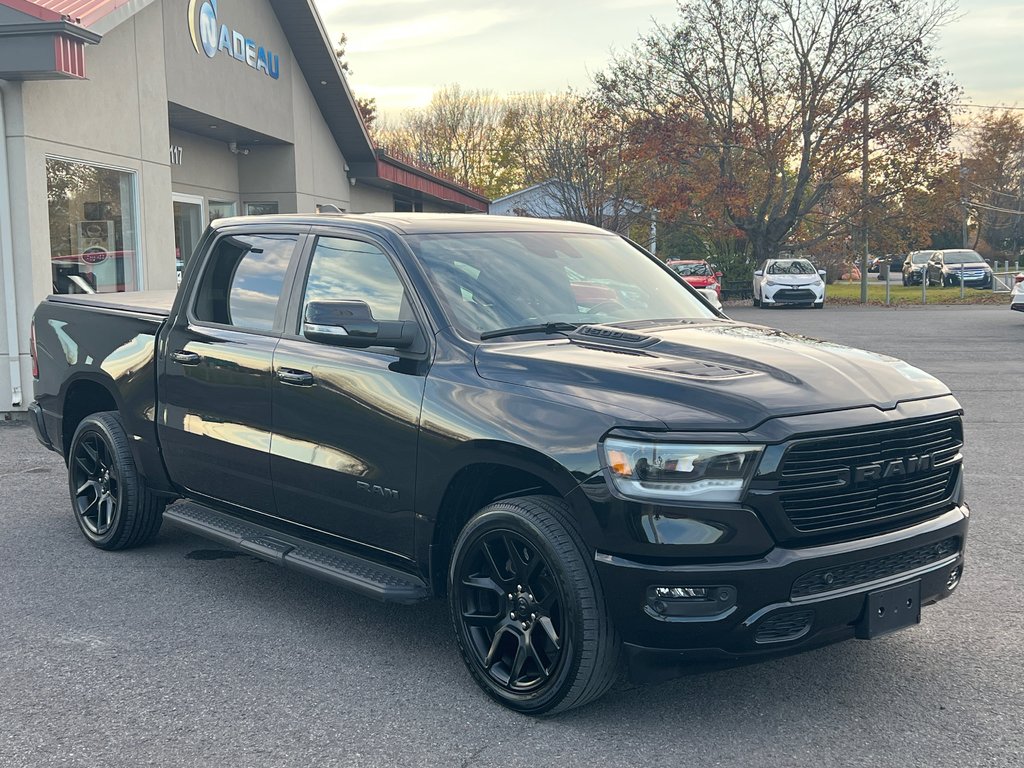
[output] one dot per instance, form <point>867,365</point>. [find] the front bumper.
<point>785,294</point>
<point>769,608</point>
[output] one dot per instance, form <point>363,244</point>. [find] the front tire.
<point>528,609</point>
<point>113,507</point>
<point>819,305</point>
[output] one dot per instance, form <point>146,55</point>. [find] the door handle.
<point>185,358</point>
<point>295,378</point>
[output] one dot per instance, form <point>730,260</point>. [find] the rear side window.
<point>243,281</point>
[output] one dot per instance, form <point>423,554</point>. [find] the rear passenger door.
<point>214,390</point>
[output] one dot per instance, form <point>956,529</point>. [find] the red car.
<point>697,273</point>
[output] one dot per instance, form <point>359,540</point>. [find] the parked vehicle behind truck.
<point>534,419</point>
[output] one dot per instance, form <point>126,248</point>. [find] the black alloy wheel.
<point>95,483</point>
<point>112,505</point>
<point>512,611</point>
<point>527,608</point>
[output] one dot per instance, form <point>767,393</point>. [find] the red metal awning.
<point>84,12</point>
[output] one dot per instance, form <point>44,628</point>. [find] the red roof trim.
<point>69,56</point>
<point>84,12</point>
<point>419,182</point>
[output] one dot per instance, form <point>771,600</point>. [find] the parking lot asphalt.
<point>182,654</point>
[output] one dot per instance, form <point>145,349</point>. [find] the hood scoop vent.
<point>603,334</point>
<point>697,369</point>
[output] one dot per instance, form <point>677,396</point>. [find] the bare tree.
<point>573,147</point>
<point>763,99</point>
<point>993,183</point>
<point>462,135</point>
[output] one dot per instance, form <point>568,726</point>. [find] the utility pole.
<point>964,173</point>
<point>864,202</point>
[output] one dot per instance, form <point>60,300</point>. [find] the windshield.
<point>791,267</point>
<point>962,257</point>
<point>920,257</point>
<point>490,281</point>
<point>700,269</point>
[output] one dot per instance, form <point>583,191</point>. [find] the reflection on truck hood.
<point>712,375</point>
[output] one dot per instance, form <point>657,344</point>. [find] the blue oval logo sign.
<point>208,33</point>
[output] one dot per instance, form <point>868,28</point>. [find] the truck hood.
<point>709,375</point>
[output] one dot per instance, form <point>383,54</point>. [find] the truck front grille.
<point>867,478</point>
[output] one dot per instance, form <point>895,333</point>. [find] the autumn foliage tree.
<point>750,111</point>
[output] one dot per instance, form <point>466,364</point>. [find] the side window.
<point>243,281</point>
<point>353,270</point>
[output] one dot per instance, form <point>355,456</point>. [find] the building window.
<point>93,228</point>
<point>260,209</point>
<point>220,209</point>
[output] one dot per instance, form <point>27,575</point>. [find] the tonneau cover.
<point>157,303</point>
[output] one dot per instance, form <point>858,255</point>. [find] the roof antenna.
<point>327,208</point>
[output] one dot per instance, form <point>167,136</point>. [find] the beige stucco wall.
<point>119,118</point>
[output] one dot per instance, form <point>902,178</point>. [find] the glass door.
<point>188,228</point>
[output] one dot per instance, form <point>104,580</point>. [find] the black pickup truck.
<point>537,419</point>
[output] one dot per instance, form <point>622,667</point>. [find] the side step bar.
<point>346,570</point>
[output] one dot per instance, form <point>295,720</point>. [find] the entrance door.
<point>188,228</point>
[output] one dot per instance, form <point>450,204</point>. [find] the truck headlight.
<point>680,472</point>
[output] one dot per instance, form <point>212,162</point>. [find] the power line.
<point>992,208</point>
<point>989,106</point>
<point>994,191</point>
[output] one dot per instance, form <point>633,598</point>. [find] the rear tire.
<point>113,507</point>
<point>528,609</point>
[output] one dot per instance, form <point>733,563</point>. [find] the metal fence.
<point>1005,278</point>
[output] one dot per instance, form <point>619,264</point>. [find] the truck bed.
<point>156,303</point>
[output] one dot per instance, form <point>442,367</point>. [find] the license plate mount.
<point>890,609</point>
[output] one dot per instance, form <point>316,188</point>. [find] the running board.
<point>363,576</point>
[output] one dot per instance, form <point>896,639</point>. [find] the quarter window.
<point>353,270</point>
<point>244,279</point>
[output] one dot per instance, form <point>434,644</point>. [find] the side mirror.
<point>821,273</point>
<point>351,324</point>
<point>758,273</point>
<point>718,275</point>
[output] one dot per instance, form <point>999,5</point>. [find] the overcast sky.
<point>402,50</point>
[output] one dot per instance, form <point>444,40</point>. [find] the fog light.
<point>681,593</point>
<point>693,602</point>
<point>954,578</point>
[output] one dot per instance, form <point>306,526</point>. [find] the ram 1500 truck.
<point>536,419</point>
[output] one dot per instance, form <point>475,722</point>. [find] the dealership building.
<point>127,125</point>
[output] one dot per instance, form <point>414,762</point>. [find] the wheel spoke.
<point>86,485</point>
<point>485,583</point>
<point>522,654</point>
<point>497,568</point>
<point>549,630</point>
<point>492,653</point>
<point>108,512</point>
<point>93,455</point>
<point>482,620</point>
<point>545,672</point>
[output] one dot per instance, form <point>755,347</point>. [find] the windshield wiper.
<point>519,330</point>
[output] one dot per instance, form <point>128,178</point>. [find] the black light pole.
<point>864,203</point>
